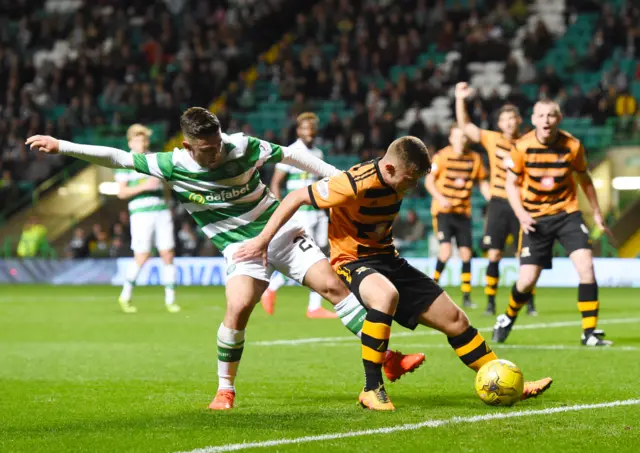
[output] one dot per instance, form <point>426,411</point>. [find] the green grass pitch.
<point>76,375</point>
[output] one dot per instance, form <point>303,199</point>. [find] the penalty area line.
<point>415,426</point>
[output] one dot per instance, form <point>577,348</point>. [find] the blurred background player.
<point>501,221</point>
<point>151,223</point>
<point>454,171</point>
<point>315,222</point>
<point>543,194</point>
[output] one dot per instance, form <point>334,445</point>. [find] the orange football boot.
<point>223,401</point>
<point>268,301</point>
<point>396,364</point>
<point>321,313</point>
<point>376,400</point>
<point>535,388</point>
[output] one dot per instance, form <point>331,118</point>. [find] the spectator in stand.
<point>187,240</point>
<point>33,238</point>
<point>78,247</point>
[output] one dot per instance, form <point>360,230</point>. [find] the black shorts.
<point>501,222</point>
<point>569,229</point>
<point>448,226</point>
<point>417,291</point>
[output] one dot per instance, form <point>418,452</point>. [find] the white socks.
<point>130,281</point>
<point>315,301</point>
<point>351,314</point>
<point>230,347</point>
<point>169,281</point>
<point>277,280</point>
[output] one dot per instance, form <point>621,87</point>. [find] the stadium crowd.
<point>146,61</point>
<point>372,38</point>
<point>68,66</point>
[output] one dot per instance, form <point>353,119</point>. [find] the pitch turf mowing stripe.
<point>429,332</point>
<point>543,347</point>
<point>416,426</point>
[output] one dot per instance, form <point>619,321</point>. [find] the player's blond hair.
<point>411,151</point>
<point>307,116</point>
<point>553,104</point>
<point>138,129</point>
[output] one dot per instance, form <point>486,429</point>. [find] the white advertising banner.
<point>610,272</point>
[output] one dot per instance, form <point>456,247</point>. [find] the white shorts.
<point>291,252</point>
<point>147,226</point>
<point>315,224</point>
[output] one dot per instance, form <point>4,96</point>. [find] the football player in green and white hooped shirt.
<point>314,222</point>
<point>150,219</point>
<point>215,176</point>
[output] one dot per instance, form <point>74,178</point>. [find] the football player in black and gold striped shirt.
<point>543,193</point>
<point>501,221</point>
<point>456,168</point>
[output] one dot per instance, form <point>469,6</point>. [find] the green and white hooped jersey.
<point>144,202</point>
<point>297,178</point>
<point>230,203</point>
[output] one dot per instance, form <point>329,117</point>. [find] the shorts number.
<point>302,243</point>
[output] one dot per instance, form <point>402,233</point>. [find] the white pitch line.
<point>414,426</point>
<point>430,332</point>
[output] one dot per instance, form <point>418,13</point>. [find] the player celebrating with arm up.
<point>364,202</point>
<point>501,221</point>
<point>215,176</point>
<point>543,195</point>
<point>455,169</point>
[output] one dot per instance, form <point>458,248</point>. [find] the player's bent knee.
<point>494,255</point>
<point>378,293</point>
<point>465,253</point>
<point>334,291</point>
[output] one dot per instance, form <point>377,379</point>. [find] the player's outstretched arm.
<point>99,155</point>
<point>257,247</point>
<point>463,91</point>
<point>307,162</point>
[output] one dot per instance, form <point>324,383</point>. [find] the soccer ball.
<point>499,383</point>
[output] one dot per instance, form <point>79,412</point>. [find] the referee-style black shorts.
<point>449,226</point>
<point>417,291</point>
<point>569,229</point>
<point>501,222</point>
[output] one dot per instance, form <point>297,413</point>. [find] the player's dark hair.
<point>197,122</point>
<point>412,151</point>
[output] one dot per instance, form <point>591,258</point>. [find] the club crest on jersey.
<point>486,240</point>
<point>548,181</point>
<point>508,162</point>
<point>323,188</point>
<point>460,182</point>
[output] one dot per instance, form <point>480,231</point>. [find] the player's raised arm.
<point>473,132</point>
<point>99,155</point>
